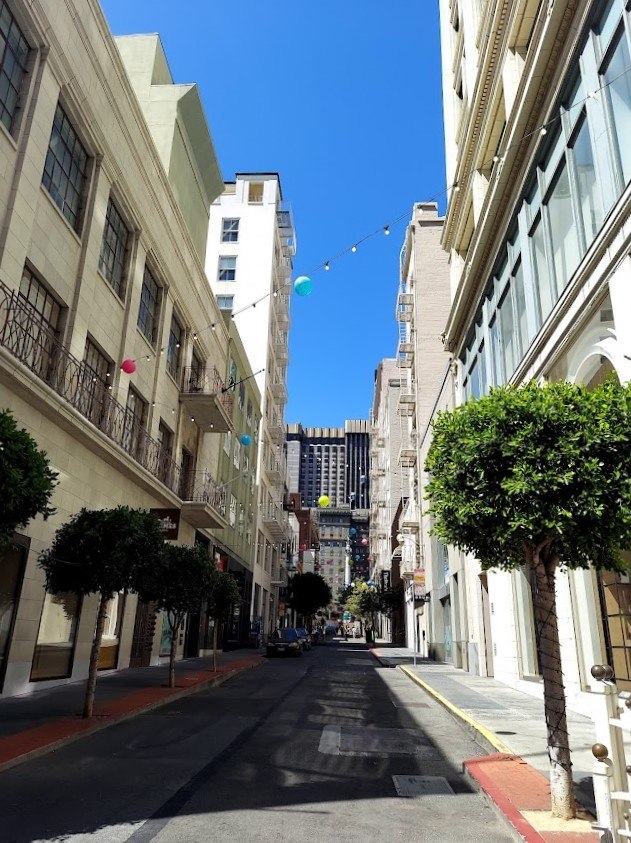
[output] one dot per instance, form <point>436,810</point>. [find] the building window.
<point>233,510</point>
<point>44,303</point>
<point>255,192</point>
<point>165,453</point>
<point>174,349</point>
<point>114,249</point>
<point>236,457</point>
<point>225,302</point>
<point>544,283</point>
<point>149,306</point>
<point>97,374</point>
<point>230,231</point>
<point>587,184</point>
<point>54,651</point>
<point>135,419</point>
<point>227,268</point>
<point>65,168</point>
<point>13,56</point>
<point>565,251</point>
<point>227,442</point>
<point>616,76</point>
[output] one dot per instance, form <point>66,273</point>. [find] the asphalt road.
<point>295,750</point>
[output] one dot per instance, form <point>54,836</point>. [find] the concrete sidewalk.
<point>511,723</point>
<point>34,724</point>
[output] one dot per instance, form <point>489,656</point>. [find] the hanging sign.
<point>169,521</point>
<point>419,583</point>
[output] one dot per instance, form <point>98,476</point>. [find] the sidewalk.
<point>511,723</point>
<point>32,725</point>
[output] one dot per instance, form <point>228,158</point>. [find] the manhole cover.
<point>366,741</point>
<point>411,787</point>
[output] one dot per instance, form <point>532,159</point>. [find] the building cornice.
<point>507,185</point>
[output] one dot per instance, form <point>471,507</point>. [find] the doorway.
<point>142,639</point>
<point>486,622</point>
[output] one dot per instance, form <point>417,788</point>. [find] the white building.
<point>251,243</point>
<point>537,101</point>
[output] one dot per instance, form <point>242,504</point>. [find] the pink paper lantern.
<point>128,366</point>
<point>364,541</point>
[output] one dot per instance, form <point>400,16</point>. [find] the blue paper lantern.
<point>303,286</point>
<point>352,531</point>
<point>245,439</point>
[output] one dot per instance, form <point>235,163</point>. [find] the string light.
<point>455,187</point>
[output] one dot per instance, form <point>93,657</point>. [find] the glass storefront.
<point>12,564</point>
<point>54,651</point>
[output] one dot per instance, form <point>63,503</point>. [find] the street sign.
<point>419,583</point>
<point>347,616</point>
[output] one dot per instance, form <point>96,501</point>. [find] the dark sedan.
<point>284,642</point>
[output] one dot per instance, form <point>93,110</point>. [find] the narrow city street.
<point>297,749</point>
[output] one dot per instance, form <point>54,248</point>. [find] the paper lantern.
<point>364,541</point>
<point>357,559</point>
<point>246,439</point>
<point>128,366</point>
<point>352,531</point>
<point>303,286</point>
<point>324,501</point>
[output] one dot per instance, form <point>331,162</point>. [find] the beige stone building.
<point>537,101</point>
<point>107,172</point>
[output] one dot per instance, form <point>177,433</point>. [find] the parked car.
<point>305,638</point>
<point>284,642</point>
<point>330,630</point>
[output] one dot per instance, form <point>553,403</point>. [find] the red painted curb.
<point>495,792</point>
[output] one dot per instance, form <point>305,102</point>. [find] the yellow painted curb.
<point>495,742</point>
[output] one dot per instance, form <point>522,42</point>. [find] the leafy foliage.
<point>176,581</point>
<point>307,593</point>
<point>100,551</point>
<point>535,466</point>
<point>364,601</point>
<point>26,479</point>
<point>222,593</point>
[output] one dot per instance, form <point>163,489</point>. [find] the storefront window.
<point>108,655</point>
<point>12,563</point>
<point>523,582</point>
<point>56,638</point>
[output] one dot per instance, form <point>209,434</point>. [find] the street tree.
<point>538,476</point>
<point>222,594</point>
<point>176,582</point>
<point>363,602</point>
<point>97,552</point>
<point>26,479</point>
<point>307,593</point>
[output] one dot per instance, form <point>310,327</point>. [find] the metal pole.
<point>414,618</point>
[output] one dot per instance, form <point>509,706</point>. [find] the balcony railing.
<point>206,398</point>
<point>30,340</point>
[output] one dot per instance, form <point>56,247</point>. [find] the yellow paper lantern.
<point>324,500</point>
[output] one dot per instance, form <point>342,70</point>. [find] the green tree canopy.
<point>98,552</point>
<point>363,601</point>
<point>26,479</point>
<point>538,476</point>
<point>222,594</point>
<point>177,582</point>
<point>307,593</point>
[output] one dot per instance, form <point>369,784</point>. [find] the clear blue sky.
<point>343,99</point>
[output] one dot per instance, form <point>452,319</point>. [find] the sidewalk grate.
<point>411,787</point>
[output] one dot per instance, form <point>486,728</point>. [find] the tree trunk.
<point>215,625</point>
<point>88,704</point>
<point>548,648</point>
<point>174,628</point>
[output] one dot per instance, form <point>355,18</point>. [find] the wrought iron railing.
<point>30,339</point>
<point>200,487</point>
<point>200,380</point>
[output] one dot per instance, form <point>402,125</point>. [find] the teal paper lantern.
<point>303,286</point>
<point>245,439</point>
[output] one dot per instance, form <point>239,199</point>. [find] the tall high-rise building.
<point>331,461</point>
<point>251,244</point>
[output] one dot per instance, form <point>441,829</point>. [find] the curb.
<point>205,685</point>
<point>492,740</point>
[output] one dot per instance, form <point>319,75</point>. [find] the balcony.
<point>203,502</point>
<point>279,390</point>
<point>407,404</point>
<point>28,339</point>
<point>206,399</point>
<point>281,349</point>
<point>275,521</point>
<point>407,456</point>
<point>276,432</point>
<point>406,348</point>
<point>285,221</point>
<point>273,468</point>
